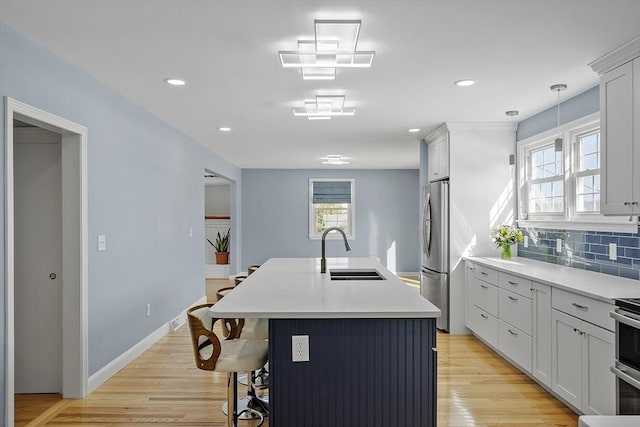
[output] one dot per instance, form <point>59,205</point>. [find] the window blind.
<point>332,192</point>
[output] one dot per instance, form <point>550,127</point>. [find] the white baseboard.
<point>112,368</point>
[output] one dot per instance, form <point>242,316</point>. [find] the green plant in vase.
<point>504,237</point>
<point>221,246</point>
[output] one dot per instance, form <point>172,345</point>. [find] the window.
<point>331,205</point>
<point>561,189</point>
<point>587,173</point>
<point>546,180</point>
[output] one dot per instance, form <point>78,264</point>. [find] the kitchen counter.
<point>609,421</point>
<point>600,286</point>
<point>363,335</point>
<point>294,288</point>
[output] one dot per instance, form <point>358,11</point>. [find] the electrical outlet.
<point>526,241</point>
<point>558,245</point>
<point>300,348</point>
<point>148,309</point>
<point>613,251</point>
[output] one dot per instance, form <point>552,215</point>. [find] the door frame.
<point>74,250</point>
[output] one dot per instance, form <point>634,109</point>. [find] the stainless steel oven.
<point>627,363</point>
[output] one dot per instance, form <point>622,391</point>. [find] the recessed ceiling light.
<point>224,129</point>
<point>414,130</point>
<point>335,159</point>
<point>175,82</point>
<point>465,82</point>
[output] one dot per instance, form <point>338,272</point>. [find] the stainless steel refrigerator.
<point>434,274</point>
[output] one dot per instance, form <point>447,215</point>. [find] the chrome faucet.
<point>347,246</point>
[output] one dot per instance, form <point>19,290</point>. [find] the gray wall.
<point>216,200</point>
<point>572,109</point>
<point>275,215</point>
<point>145,192</point>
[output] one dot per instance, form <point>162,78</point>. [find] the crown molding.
<point>616,57</point>
<point>476,126</point>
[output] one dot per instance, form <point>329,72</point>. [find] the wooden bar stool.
<point>231,355</point>
<point>252,269</point>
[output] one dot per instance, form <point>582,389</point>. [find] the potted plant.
<point>221,247</point>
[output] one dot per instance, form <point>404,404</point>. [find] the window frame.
<point>351,232</point>
<point>569,219</point>
<point>543,144</point>
<point>576,174</point>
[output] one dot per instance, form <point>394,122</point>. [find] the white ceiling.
<point>227,51</point>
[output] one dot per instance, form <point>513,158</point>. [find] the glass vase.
<point>506,252</point>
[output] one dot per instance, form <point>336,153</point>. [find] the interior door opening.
<point>217,223</point>
<point>51,247</point>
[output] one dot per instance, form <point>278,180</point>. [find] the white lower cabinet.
<point>566,358</point>
<point>541,333</point>
<point>564,340</point>
<point>485,326</point>
<point>599,385</point>
<point>581,356</point>
<point>515,344</point>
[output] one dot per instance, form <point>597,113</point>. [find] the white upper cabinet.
<point>620,129</point>
<point>438,162</point>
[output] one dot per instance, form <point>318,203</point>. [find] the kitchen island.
<point>372,358</point>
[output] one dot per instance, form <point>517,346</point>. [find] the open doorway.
<point>45,255</point>
<point>217,218</point>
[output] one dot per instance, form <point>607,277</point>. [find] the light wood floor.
<point>163,387</point>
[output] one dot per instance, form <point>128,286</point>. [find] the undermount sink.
<point>355,274</point>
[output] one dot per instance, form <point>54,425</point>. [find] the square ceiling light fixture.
<point>324,107</point>
<point>334,46</point>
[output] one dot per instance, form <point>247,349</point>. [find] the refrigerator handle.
<point>427,224</point>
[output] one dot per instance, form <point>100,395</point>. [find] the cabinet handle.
<point>581,332</point>
<point>581,307</point>
<point>471,268</point>
<point>512,283</point>
<point>484,286</point>
<point>512,333</point>
<point>484,273</point>
<point>484,316</point>
<point>512,298</point>
<point>627,203</point>
<point>634,203</point>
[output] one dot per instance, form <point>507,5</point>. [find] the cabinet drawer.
<point>485,326</point>
<point>484,295</point>
<point>515,310</point>
<point>585,308</point>
<point>516,284</point>
<point>515,344</point>
<point>487,274</point>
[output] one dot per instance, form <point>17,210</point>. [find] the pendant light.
<point>512,114</point>
<point>558,88</point>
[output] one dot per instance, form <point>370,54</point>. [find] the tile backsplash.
<point>587,250</point>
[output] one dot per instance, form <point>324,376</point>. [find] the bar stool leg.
<point>232,396</point>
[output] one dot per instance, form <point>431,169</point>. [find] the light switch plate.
<point>526,241</point>
<point>102,242</point>
<point>558,245</point>
<point>613,251</point>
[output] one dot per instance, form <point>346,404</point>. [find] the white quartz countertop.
<point>601,286</point>
<point>294,288</point>
<point>609,421</point>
